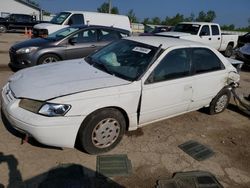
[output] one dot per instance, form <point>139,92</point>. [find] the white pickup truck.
<point>204,32</point>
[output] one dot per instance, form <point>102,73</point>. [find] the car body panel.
<point>87,89</point>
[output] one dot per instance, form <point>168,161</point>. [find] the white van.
<point>67,18</point>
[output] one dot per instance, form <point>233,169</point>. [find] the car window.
<point>123,58</point>
<point>187,28</point>
<point>62,33</point>
<point>175,64</point>
<point>204,60</point>
<point>85,36</point>
<point>60,18</point>
<point>205,31</point>
<point>215,30</point>
<point>108,35</point>
<point>76,19</point>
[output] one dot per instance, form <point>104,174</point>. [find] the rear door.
<point>209,76</point>
<point>84,43</point>
<point>168,90</point>
<point>216,36</point>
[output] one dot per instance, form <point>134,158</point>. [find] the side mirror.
<point>72,41</point>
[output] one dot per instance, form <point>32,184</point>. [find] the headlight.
<point>50,109</point>
<point>47,109</point>
<point>26,50</point>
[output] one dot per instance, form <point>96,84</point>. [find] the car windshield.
<point>62,33</point>
<point>187,28</point>
<point>60,18</point>
<point>125,59</point>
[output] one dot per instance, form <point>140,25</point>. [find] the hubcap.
<point>49,60</point>
<point>105,133</point>
<point>221,103</point>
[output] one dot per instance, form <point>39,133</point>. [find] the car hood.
<point>37,42</point>
<point>59,79</point>
<point>174,34</point>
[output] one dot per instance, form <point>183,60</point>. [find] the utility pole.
<point>110,6</point>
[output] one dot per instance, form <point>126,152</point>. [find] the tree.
<point>156,21</point>
<point>174,20</point>
<point>104,8</point>
<point>132,17</point>
<point>206,17</point>
<point>146,21</point>
<point>191,18</point>
<point>228,27</point>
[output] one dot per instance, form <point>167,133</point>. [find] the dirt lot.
<point>153,150</point>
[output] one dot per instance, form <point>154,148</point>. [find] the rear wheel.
<point>102,131</point>
<point>220,102</point>
<point>48,58</point>
<point>229,50</point>
<point>3,29</point>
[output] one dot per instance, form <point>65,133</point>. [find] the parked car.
<point>67,43</point>
<point>18,22</point>
<point>244,39</point>
<point>70,18</point>
<point>243,54</point>
<point>207,33</point>
<point>123,86</point>
<point>149,31</point>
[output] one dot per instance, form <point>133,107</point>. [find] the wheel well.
<point>49,54</point>
<point>125,115</point>
<point>231,44</point>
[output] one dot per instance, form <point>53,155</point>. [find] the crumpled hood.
<point>58,79</point>
<point>174,34</point>
<point>49,26</point>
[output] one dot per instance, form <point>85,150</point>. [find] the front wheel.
<point>102,131</point>
<point>48,58</point>
<point>3,29</point>
<point>220,102</point>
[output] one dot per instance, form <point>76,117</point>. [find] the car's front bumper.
<point>20,61</point>
<point>53,131</point>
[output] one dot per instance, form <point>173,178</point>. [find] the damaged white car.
<point>124,86</point>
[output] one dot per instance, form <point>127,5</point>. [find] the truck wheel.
<point>3,29</point>
<point>101,131</point>
<point>48,58</point>
<point>220,102</point>
<point>229,50</point>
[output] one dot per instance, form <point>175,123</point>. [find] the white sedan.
<point>123,86</point>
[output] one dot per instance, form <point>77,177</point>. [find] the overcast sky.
<point>235,12</point>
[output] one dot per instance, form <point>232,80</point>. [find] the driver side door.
<point>81,44</point>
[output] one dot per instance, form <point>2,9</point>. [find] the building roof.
<point>27,3</point>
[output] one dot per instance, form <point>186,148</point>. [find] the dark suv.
<point>67,43</point>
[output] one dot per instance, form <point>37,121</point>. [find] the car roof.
<point>81,26</point>
<point>166,42</point>
<point>199,23</point>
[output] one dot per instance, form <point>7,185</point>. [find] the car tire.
<point>48,58</point>
<point>3,29</point>
<point>220,102</point>
<point>101,131</point>
<point>229,50</point>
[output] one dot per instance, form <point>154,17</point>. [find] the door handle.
<point>209,39</point>
<point>219,38</point>
<point>93,46</point>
